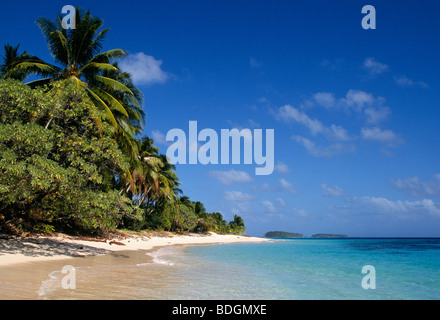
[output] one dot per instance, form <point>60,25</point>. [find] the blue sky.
<point>355,111</point>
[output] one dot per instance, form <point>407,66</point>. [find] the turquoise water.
<point>309,269</point>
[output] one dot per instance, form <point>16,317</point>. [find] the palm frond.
<point>111,101</point>
<point>113,84</point>
<point>94,97</point>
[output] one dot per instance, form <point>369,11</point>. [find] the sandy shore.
<point>107,267</point>
<point>23,250</point>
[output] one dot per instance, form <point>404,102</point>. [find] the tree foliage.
<point>72,155</point>
<point>58,162</point>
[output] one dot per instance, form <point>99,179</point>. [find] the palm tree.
<point>154,177</point>
<point>131,126</point>
<point>78,57</point>
<point>28,63</point>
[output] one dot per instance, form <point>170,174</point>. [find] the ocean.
<point>347,269</point>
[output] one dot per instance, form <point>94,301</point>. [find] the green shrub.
<point>58,162</point>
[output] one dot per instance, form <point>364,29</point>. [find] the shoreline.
<point>60,247</point>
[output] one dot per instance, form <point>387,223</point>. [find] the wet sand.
<point>32,268</point>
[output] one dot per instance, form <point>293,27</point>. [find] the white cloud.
<point>242,208</point>
<point>325,99</point>
<point>229,177</point>
<point>376,115</point>
<point>159,137</point>
<point>281,167</point>
<point>281,202</point>
<point>332,191</point>
<point>301,213</point>
<point>324,151</point>
<point>264,188</point>
<point>237,196</point>
<point>374,67</point>
<point>269,206</point>
<point>144,69</point>
<point>288,113</point>
<point>286,185</point>
<point>404,81</point>
<point>415,187</point>
<point>338,133</point>
<point>384,205</point>
<point>359,101</point>
<point>249,124</point>
<point>387,137</point>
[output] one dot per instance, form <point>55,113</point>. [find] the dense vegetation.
<point>72,154</point>
<point>282,234</point>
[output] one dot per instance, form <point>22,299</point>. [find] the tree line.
<point>73,156</point>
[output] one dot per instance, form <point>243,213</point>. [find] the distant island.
<point>282,234</point>
<point>287,235</point>
<point>329,236</point>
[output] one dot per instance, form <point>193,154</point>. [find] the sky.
<point>355,112</point>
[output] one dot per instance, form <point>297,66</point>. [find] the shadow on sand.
<point>37,247</point>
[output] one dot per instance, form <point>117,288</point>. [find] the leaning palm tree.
<point>78,59</point>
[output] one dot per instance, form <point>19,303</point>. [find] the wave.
<point>158,256</point>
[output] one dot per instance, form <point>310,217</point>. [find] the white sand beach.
<point>22,250</point>
<point>27,265</point>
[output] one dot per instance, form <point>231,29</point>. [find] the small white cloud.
<point>288,113</point>
<point>359,101</point>
<point>286,185</point>
<point>376,115</point>
<point>374,67</point>
<point>242,208</point>
<point>229,177</point>
<point>281,202</point>
<point>159,138</point>
<point>237,196</point>
<point>324,151</point>
<point>338,133</point>
<point>387,137</point>
<point>325,99</point>
<point>281,167</point>
<point>301,213</point>
<point>144,69</point>
<point>332,191</point>
<point>269,206</point>
<point>415,187</point>
<point>404,81</point>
